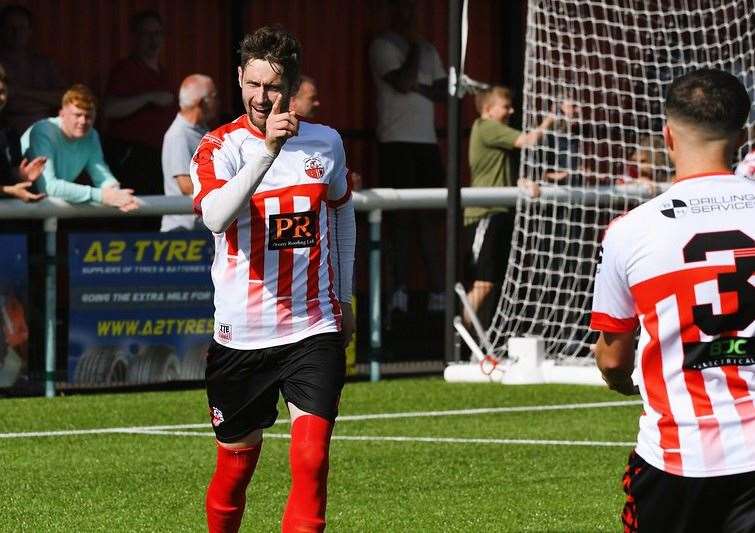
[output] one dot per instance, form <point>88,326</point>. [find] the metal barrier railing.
<point>373,201</point>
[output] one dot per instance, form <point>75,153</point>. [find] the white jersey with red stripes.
<point>272,269</point>
<point>682,266</point>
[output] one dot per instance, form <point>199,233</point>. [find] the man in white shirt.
<point>410,79</point>
<point>275,192</point>
<point>681,266</point>
<point>198,103</point>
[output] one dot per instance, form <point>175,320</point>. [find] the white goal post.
<point>614,58</point>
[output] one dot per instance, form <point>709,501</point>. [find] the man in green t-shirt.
<point>492,146</point>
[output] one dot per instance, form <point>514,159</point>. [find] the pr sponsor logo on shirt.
<point>293,230</point>
<point>225,332</point>
<point>314,167</point>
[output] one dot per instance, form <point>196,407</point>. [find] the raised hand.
<point>31,170</point>
<point>279,126</point>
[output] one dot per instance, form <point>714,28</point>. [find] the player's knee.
<point>250,440</point>
<point>309,457</point>
<point>310,438</point>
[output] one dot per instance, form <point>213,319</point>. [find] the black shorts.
<point>488,243</point>
<point>659,501</point>
<point>243,385</point>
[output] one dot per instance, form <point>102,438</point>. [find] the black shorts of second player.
<point>488,243</point>
<point>243,385</point>
<point>659,501</point>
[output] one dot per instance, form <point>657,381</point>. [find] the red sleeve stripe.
<point>609,324</point>
<point>208,185</point>
<point>345,198</point>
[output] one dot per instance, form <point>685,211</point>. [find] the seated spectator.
<point>33,81</point>
<point>198,102</point>
<point>139,107</point>
<point>16,175</point>
<point>492,145</point>
<point>71,145</point>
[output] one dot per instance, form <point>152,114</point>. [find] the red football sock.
<point>308,455</point>
<point>226,495</point>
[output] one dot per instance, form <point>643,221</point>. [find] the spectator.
<point>139,107</point>
<point>16,174</point>
<point>33,80</point>
<point>306,100</point>
<point>198,102</point>
<point>409,76</point>
<point>647,163</point>
<point>71,145</point>
<point>492,143</point>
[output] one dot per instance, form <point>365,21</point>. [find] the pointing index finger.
<point>277,105</point>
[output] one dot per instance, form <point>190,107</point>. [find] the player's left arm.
<point>613,314</point>
<point>343,236</point>
<point>614,354</point>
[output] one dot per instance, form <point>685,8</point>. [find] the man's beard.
<point>251,119</point>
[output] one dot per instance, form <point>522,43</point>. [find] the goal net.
<point>614,58</point>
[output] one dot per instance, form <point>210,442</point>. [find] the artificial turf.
<point>136,482</point>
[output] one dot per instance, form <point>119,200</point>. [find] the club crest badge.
<point>313,167</point>
<point>217,416</point>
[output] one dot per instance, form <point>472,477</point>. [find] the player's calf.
<point>308,456</point>
<point>226,494</point>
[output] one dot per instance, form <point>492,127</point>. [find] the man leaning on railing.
<point>71,145</point>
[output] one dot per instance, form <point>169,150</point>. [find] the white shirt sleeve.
<point>343,223</point>
<point>613,304</point>
<point>384,58</point>
<point>343,243</point>
<point>219,192</point>
<point>437,69</point>
<point>339,188</point>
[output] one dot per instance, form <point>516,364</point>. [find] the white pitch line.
<point>345,418</point>
<point>433,440</point>
<point>491,410</point>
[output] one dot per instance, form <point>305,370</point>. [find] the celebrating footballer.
<point>276,194</point>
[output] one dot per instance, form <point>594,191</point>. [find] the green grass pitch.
<point>414,473</point>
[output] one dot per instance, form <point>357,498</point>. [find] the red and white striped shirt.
<point>274,282</point>
<point>682,266</point>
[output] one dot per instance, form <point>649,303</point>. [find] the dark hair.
<point>3,75</point>
<point>140,17</point>
<point>15,9</point>
<point>276,46</point>
<point>712,100</point>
